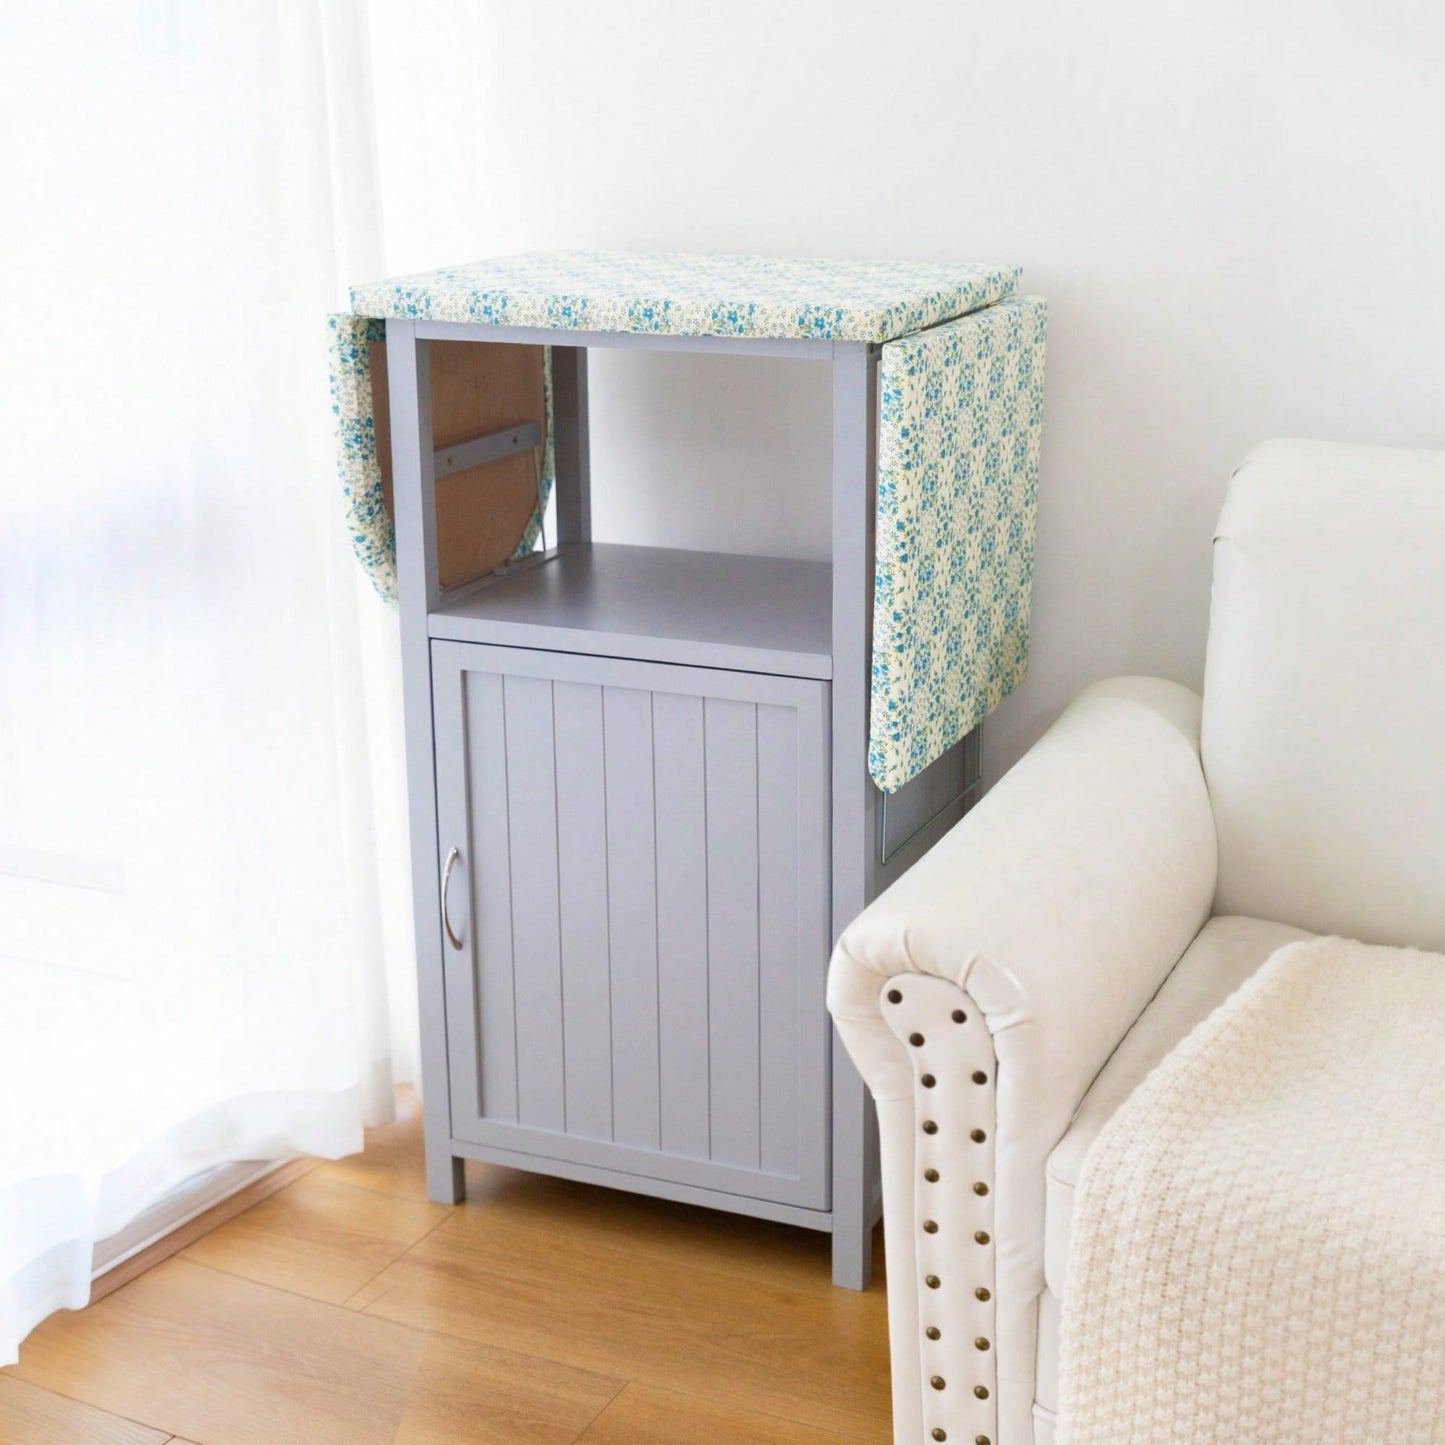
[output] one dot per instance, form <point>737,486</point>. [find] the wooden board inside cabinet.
<point>477,388</point>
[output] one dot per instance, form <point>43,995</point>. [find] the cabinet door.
<point>638,913</point>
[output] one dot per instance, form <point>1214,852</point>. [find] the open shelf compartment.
<point>659,604</point>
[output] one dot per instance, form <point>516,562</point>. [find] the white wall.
<point>1235,210</point>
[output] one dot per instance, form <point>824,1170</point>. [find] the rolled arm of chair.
<point>979,997</point>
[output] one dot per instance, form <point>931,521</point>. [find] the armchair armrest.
<point>1060,902</point>
<point>1046,919</point>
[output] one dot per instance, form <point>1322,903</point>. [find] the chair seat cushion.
<point>1225,952</point>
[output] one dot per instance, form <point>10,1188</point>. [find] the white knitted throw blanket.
<point>1258,1248</point>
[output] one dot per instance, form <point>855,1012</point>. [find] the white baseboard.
<point>176,1209</point>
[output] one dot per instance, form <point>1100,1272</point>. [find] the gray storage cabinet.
<point>640,813</point>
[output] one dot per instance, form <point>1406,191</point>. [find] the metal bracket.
<point>525,436</point>
<point>497,444</point>
<point>887,854</point>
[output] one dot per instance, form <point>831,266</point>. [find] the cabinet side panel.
<point>781,961</point>
<point>677,739</point>
<point>582,891</point>
<point>731,732</point>
<point>491,873</point>
<point>632,910</point>
<point>536,953</point>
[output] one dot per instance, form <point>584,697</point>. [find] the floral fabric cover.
<point>679,295</point>
<point>958,465</point>
<point>373,538</point>
<point>962,377</point>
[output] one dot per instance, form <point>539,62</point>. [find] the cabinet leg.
<point>852,1254</point>
<point>446,1183</point>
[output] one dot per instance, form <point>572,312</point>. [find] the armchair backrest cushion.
<point>1323,733</point>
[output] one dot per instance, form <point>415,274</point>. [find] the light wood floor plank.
<point>32,1416</point>
<point>816,1356</point>
<point>467,1394</point>
<point>641,1415</point>
<point>229,1362</point>
<point>319,1237</point>
<point>223,1360</point>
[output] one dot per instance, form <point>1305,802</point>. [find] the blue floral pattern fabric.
<point>373,536</point>
<point>959,426</point>
<point>681,295</point>
<point>961,378</point>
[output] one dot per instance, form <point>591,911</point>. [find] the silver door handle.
<point>446,883</point>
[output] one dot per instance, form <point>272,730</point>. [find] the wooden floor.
<point>348,1308</point>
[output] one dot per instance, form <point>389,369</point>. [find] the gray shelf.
<point>702,609</point>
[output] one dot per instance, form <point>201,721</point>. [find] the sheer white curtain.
<point>204,948</point>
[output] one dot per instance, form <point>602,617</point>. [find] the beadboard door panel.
<point>638,911</point>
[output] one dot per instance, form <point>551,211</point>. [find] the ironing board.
<point>897,650</point>
<point>961,364</point>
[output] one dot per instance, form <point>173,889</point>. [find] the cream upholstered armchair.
<point>1149,854</point>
